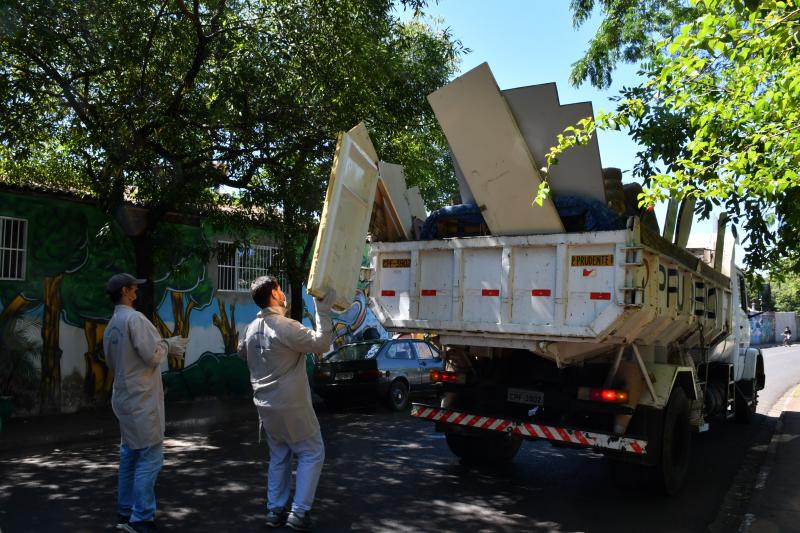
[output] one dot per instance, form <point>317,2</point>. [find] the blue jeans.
<point>138,471</point>
<point>310,456</point>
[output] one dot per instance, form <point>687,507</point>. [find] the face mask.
<point>284,304</point>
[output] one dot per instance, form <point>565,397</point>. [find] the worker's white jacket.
<point>275,348</point>
<point>134,351</point>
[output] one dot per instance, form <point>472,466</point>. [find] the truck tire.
<point>398,395</point>
<point>494,448</point>
<point>672,468</point>
<point>742,406</point>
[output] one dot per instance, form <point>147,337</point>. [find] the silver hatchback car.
<point>392,369</point>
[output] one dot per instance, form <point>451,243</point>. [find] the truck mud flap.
<point>586,439</point>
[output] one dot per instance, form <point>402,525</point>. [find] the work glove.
<point>177,345</point>
<point>324,304</point>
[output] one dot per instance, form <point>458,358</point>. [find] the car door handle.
<point>423,363</point>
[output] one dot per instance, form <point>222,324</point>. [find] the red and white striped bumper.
<point>525,429</point>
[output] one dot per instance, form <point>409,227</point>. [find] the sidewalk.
<point>101,423</point>
<point>775,504</point>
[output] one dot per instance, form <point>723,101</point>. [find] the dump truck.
<point>616,338</point>
<point>613,340</point>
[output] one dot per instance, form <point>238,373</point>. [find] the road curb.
<point>754,506</point>
<point>746,490</point>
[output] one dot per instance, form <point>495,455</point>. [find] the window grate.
<point>237,267</point>
<point>13,244</point>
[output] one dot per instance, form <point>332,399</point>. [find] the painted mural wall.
<point>52,322</point>
<point>762,328</point>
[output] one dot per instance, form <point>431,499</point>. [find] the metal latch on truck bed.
<point>526,429</point>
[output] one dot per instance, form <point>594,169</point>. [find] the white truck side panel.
<point>436,285</point>
<point>534,283</point>
<point>590,287</point>
<point>601,288</point>
<point>482,275</point>
<point>396,283</point>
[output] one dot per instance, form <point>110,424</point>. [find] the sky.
<point>528,42</point>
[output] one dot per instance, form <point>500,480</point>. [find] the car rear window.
<point>355,352</point>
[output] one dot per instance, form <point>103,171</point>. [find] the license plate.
<point>527,397</point>
<point>343,375</point>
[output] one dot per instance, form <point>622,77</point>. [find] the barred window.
<point>237,267</point>
<point>13,244</point>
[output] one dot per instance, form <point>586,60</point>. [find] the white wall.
<point>782,320</point>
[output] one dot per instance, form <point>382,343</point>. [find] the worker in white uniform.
<point>275,348</point>
<point>134,351</point>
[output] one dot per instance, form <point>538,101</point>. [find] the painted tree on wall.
<point>57,245</point>
<point>86,304</point>
<point>181,276</point>
<point>227,327</point>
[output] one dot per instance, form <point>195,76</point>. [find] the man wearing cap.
<point>134,351</point>
<point>275,348</point>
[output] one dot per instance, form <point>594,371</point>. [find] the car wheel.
<point>398,395</point>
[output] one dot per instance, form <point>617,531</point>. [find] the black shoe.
<point>277,517</point>
<point>148,526</point>
<point>122,520</point>
<point>300,522</point>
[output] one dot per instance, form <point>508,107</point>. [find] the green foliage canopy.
<point>786,293</point>
<point>718,114</point>
<point>171,105</point>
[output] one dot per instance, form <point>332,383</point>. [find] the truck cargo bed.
<point>609,287</point>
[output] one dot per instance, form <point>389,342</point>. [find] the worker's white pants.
<point>310,454</point>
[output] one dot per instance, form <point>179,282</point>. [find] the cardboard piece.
<point>540,118</point>
<point>345,218</point>
<point>392,186</point>
<point>685,219</point>
<point>493,155</point>
<point>384,225</point>
<point>416,204</point>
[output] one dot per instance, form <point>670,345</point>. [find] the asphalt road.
<point>782,368</point>
<point>388,472</point>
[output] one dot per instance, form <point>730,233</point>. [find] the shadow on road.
<point>384,471</point>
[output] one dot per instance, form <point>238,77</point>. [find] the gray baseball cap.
<point>117,281</point>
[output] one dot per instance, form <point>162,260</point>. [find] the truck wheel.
<point>398,395</point>
<point>676,444</point>
<point>744,410</point>
<point>490,449</point>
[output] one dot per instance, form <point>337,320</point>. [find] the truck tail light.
<point>602,395</point>
<point>443,376</point>
<point>375,373</point>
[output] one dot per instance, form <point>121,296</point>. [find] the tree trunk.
<point>230,337</point>
<point>50,392</point>
<point>298,309</point>
<point>181,316</point>
<point>297,299</point>
<point>161,326</point>
<point>98,380</point>
<point>143,246</point>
